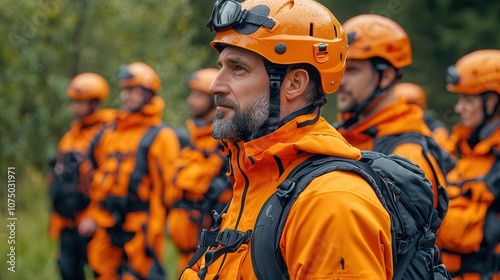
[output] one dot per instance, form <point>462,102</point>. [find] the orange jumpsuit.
<point>396,118</point>
<point>77,140</point>
<point>337,228</point>
<point>196,172</point>
<point>131,214</point>
<point>470,232</point>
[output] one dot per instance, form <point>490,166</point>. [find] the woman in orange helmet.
<point>470,232</point>
<point>70,174</point>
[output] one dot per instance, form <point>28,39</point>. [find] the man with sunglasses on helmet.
<point>470,232</point>
<point>134,160</point>
<point>277,61</point>
<point>372,116</point>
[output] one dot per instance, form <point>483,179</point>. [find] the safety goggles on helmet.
<point>229,13</point>
<point>452,75</point>
<point>124,73</point>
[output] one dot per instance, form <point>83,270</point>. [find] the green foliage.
<point>46,43</point>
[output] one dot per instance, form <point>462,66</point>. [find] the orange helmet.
<point>413,93</point>
<point>475,73</point>
<point>202,79</point>
<point>87,87</point>
<point>139,74</point>
<point>377,36</point>
<point>284,32</point>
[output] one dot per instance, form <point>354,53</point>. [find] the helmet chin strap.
<point>474,137</point>
<point>276,73</point>
<point>356,111</point>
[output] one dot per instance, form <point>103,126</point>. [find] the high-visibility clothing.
<point>337,228</point>
<point>77,140</point>
<point>200,167</point>
<point>397,118</point>
<point>470,232</point>
<point>127,189</point>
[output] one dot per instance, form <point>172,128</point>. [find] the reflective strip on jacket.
<point>337,228</point>
<point>78,139</point>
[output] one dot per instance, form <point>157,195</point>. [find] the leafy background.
<point>44,43</point>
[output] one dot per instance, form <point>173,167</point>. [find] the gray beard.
<point>244,123</point>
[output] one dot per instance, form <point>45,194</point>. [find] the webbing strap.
<point>141,158</point>
<point>231,241</point>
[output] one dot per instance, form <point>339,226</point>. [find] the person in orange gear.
<point>414,94</point>
<point>134,159</point>
<point>469,234</point>
<point>201,184</point>
<point>277,61</point>
<point>372,117</point>
<point>71,171</point>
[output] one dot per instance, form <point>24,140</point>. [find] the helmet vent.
<point>311,27</point>
<point>335,29</point>
<point>341,57</point>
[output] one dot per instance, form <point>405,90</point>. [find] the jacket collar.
<point>100,116</point>
<point>396,118</point>
<point>150,114</point>
<point>281,148</point>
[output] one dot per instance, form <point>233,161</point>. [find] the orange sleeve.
<point>338,229</point>
<point>413,152</point>
<point>162,154</point>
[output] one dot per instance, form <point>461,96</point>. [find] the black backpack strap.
<point>183,136</point>
<point>267,260</point>
<point>93,145</point>
<point>141,157</point>
<point>208,238</point>
<point>387,144</point>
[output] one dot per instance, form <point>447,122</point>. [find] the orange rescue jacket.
<point>337,217</point>
<point>77,139</point>
<point>200,166</point>
<point>396,118</point>
<point>469,241</point>
<point>115,155</point>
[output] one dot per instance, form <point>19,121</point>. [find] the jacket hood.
<point>100,116</point>
<point>150,114</point>
<point>396,118</point>
<point>201,135</point>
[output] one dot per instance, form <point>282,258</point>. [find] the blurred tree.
<point>46,43</point>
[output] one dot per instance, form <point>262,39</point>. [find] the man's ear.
<point>295,83</point>
<point>388,77</point>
